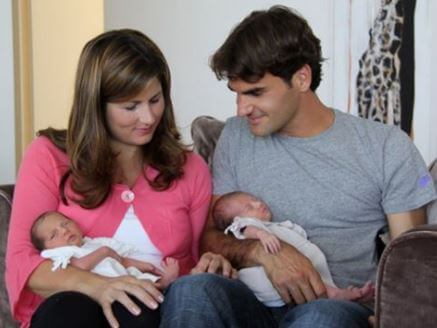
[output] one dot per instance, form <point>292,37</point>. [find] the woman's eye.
<point>154,100</point>
<point>131,107</point>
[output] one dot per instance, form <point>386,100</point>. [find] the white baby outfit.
<point>255,277</point>
<point>109,266</point>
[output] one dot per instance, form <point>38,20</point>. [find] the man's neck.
<point>311,119</point>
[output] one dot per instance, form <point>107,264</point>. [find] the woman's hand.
<point>119,288</point>
<point>214,263</point>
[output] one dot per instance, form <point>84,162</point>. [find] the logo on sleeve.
<point>424,180</point>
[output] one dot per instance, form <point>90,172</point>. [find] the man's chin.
<point>259,132</point>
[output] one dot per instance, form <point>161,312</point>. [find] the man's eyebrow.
<point>249,91</point>
<point>253,91</point>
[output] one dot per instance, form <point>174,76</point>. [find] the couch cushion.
<point>205,131</point>
<point>6,192</point>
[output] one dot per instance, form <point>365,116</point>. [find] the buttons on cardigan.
<point>127,196</point>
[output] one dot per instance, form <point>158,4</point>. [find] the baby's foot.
<point>367,292</point>
<point>170,267</point>
<point>363,294</point>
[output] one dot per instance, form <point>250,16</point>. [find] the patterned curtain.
<point>385,79</point>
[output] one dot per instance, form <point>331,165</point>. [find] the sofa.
<point>407,272</point>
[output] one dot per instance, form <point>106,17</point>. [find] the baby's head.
<point>52,229</point>
<point>239,203</point>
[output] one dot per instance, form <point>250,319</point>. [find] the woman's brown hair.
<point>114,66</point>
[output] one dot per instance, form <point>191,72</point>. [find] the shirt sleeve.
<point>241,222</point>
<point>407,183</point>
<point>36,192</point>
<point>201,188</point>
<point>61,256</point>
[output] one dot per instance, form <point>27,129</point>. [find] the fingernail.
<point>136,311</point>
<point>153,305</point>
<point>161,299</point>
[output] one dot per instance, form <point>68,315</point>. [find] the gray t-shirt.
<point>338,185</point>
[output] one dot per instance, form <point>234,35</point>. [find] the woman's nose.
<point>146,116</point>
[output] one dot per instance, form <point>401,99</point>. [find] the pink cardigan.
<point>174,219</point>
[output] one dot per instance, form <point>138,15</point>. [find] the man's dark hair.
<point>277,41</point>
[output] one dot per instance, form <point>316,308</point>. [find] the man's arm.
<point>292,274</point>
<point>400,222</point>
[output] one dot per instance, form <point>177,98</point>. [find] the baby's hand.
<point>270,242</point>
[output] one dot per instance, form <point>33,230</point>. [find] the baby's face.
<point>57,230</point>
<point>247,205</point>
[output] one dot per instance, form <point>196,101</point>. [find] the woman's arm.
<point>36,192</point>
<point>201,197</point>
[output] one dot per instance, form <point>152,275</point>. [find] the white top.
<point>131,231</point>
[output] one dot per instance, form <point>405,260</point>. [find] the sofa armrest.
<point>407,275</point>
<point>205,132</point>
<point>6,192</point>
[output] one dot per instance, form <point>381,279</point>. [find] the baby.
<point>246,216</point>
<point>61,240</point>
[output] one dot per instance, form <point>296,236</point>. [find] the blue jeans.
<point>211,301</point>
<point>326,313</point>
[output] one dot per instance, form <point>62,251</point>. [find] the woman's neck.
<point>129,166</point>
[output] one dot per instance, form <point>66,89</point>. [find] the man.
<point>340,177</point>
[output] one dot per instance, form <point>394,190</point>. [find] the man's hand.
<point>292,274</point>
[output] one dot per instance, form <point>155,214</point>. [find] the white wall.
<point>60,29</point>
<point>7,120</point>
<point>425,113</point>
<point>189,31</point>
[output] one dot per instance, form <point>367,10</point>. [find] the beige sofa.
<point>406,295</point>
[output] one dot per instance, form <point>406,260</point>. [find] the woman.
<point>120,170</point>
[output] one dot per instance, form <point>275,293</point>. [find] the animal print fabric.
<point>378,80</point>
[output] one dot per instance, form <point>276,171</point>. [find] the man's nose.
<point>244,107</point>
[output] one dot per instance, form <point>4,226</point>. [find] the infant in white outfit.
<point>246,216</point>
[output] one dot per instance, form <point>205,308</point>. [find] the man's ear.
<point>302,78</point>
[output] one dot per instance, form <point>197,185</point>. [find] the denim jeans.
<point>326,313</point>
<point>211,301</point>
